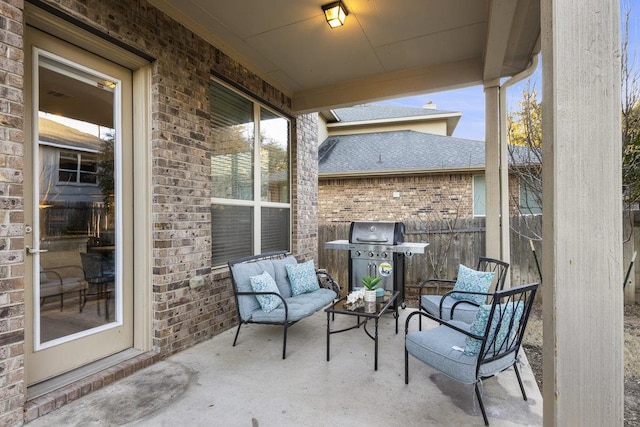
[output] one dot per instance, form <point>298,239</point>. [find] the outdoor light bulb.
<point>335,14</point>
<point>334,22</point>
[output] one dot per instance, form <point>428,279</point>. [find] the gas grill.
<point>378,249</point>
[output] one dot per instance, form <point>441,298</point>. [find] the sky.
<point>470,101</point>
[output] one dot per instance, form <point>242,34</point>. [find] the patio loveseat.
<point>274,289</point>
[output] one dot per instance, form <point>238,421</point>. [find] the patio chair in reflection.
<point>62,280</point>
<point>472,353</point>
<point>99,274</point>
<point>459,304</point>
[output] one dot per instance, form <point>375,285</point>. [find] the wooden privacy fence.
<point>449,246</point>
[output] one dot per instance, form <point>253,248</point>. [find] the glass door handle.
<point>32,251</point>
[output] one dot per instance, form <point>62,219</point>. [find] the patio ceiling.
<point>386,49</point>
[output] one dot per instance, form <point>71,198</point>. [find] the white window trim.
<point>78,170</point>
<point>39,53</point>
<point>473,192</point>
<point>257,203</point>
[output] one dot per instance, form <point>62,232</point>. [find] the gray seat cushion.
<point>463,312</point>
<point>300,306</point>
<point>69,284</point>
<point>281,277</point>
<point>242,274</point>
<point>435,347</point>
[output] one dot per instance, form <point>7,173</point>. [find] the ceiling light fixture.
<point>335,13</point>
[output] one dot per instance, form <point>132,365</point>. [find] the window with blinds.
<point>251,205</point>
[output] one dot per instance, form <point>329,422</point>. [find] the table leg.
<point>328,335</point>
<point>375,353</point>
<point>396,314</point>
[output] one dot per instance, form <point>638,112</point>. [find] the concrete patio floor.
<point>215,384</point>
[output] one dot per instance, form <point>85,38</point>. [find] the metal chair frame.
<point>491,349</point>
<point>484,264</point>
<point>324,279</point>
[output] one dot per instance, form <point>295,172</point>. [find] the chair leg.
<point>284,344</point>
<point>81,297</point>
<point>106,304</point>
<point>98,298</point>
<point>515,368</point>
<point>479,396</point>
<point>237,332</point>
<point>406,366</point>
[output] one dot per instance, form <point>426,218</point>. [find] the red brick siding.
<point>427,197</point>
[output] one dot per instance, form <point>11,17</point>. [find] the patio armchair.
<point>472,353</point>
<point>99,273</point>
<point>61,280</point>
<point>456,302</point>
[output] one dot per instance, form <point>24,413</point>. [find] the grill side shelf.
<point>337,244</point>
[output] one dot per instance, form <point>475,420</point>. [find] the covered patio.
<point>392,49</point>
<point>284,54</point>
<point>214,383</point>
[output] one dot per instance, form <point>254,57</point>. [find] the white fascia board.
<point>378,173</point>
<point>425,118</point>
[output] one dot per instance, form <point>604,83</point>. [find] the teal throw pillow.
<point>508,326</point>
<point>265,283</point>
<point>472,281</point>
<point>302,277</point>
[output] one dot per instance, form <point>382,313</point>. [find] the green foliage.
<point>105,172</point>
<point>371,283</point>
<point>278,157</point>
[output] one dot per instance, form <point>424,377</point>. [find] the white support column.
<point>492,168</point>
<point>582,210</point>
<point>505,225</point>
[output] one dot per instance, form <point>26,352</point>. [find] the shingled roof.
<point>397,152</point>
<point>382,153</point>
<point>55,133</point>
<point>367,112</point>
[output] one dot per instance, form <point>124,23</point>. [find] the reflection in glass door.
<point>77,202</point>
<point>78,198</point>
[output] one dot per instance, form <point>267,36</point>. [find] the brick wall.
<point>181,165</point>
<point>181,152</point>
<point>399,198</point>
<point>305,188</point>
<point>372,199</point>
<point>11,213</point>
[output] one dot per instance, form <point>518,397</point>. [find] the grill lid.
<point>376,232</point>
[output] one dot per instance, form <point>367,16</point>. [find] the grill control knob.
<point>358,253</point>
<point>384,255</point>
<point>371,254</point>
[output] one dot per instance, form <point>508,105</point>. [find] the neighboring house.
<point>382,162</point>
<point>70,195</point>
